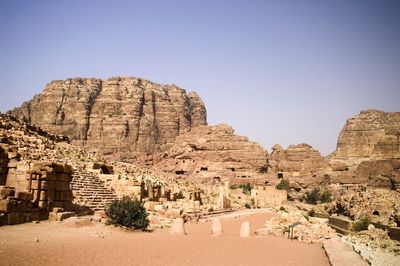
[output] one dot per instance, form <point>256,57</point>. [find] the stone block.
<point>16,218</point>
<point>178,227</point>
<point>32,216</point>
<point>23,195</point>
<point>245,229</point>
<point>62,186</point>
<point>216,227</point>
<point>8,205</point>
<point>6,191</point>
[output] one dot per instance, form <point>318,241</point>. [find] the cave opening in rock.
<point>180,172</point>
<point>216,179</point>
<point>204,169</point>
<point>280,175</point>
<point>105,170</point>
<point>375,213</point>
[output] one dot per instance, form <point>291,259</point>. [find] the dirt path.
<point>69,244</point>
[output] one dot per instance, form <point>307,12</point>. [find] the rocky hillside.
<point>215,152</point>
<point>304,165</point>
<point>121,118</point>
<point>368,150</point>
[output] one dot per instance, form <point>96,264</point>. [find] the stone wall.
<point>47,186</point>
<point>268,196</point>
<point>3,166</point>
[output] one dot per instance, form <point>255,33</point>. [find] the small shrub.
<point>311,213</point>
<point>235,186</point>
<point>282,209</point>
<point>253,201</point>
<point>283,185</point>
<point>315,195</point>
<point>326,196</point>
<point>246,189</point>
<point>247,206</point>
<point>361,225</point>
<point>127,213</point>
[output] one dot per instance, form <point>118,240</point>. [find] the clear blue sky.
<point>278,71</point>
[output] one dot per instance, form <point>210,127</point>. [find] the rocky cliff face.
<point>368,150</point>
<point>121,118</point>
<point>214,152</point>
<point>301,164</point>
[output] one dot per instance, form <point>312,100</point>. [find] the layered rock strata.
<point>368,150</point>
<point>301,164</point>
<point>214,152</point>
<point>121,118</point>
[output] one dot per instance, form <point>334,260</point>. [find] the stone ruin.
<point>47,186</point>
<point>265,196</point>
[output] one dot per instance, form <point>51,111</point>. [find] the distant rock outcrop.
<point>121,118</point>
<point>214,152</point>
<point>301,164</point>
<point>368,150</point>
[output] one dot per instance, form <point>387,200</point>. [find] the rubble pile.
<point>375,246</point>
<point>379,205</point>
<point>306,229</point>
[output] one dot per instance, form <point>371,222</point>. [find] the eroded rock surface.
<point>121,118</point>
<point>214,152</point>
<point>301,164</point>
<point>368,150</point>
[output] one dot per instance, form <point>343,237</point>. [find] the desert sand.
<point>85,243</point>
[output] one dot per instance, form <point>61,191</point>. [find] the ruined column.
<point>178,227</point>
<point>216,227</point>
<point>245,229</point>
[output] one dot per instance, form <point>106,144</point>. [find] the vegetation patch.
<point>361,225</point>
<point>128,213</point>
<point>316,196</point>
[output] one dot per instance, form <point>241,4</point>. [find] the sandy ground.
<point>66,243</point>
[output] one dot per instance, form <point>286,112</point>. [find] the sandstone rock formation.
<point>368,150</point>
<point>379,205</point>
<point>121,118</point>
<point>301,164</point>
<point>214,152</point>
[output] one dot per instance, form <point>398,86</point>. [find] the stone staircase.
<point>90,191</point>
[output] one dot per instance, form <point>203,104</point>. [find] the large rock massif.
<point>368,150</point>
<point>215,152</point>
<point>121,118</point>
<point>368,153</point>
<point>302,163</point>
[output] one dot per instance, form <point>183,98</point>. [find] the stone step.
<point>89,190</point>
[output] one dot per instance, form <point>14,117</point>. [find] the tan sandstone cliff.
<point>121,118</point>
<point>303,165</point>
<point>215,152</point>
<point>368,150</point>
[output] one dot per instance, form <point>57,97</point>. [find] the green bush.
<point>246,189</point>
<point>283,185</point>
<point>326,196</point>
<point>311,213</point>
<point>361,225</point>
<point>315,195</point>
<point>128,213</point>
<point>282,209</point>
<point>247,206</point>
